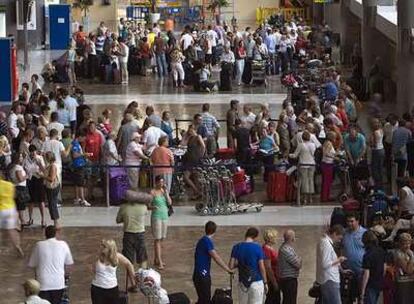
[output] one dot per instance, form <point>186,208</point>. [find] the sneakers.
<point>77,201</point>
<point>84,203</point>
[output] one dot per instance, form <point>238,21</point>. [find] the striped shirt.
<point>289,262</point>
<point>210,122</point>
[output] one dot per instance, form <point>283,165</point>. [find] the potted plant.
<point>84,5</point>
<point>215,6</point>
<point>154,16</point>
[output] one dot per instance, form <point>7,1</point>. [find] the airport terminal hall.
<point>207,151</point>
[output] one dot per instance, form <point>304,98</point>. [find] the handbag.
<point>315,290</point>
<point>170,210</point>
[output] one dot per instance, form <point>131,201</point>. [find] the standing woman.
<point>18,177</point>
<point>159,218</point>
<point>271,266</point>
<point>104,288</point>
<point>240,53</point>
<point>52,185</point>
<point>377,152</point>
<point>34,165</point>
<point>305,152</point>
<point>327,166</point>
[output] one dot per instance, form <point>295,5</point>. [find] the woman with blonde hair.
<point>52,186</point>
<point>104,288</point>
<point>271,266</point>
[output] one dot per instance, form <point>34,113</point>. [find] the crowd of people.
<point>47,140</point>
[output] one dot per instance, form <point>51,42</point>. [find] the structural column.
<point>368,33</point>
<point>405,56</point>
<point>346,49</point>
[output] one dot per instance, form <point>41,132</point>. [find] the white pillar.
<point>368,32</point>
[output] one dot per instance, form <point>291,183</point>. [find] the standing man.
<point>248,257</point>
<point>51,260</point>
<point>209,121</point>
<point>202,263</point>
<point>353,250</point>
<point>123,59</point>
<point>327,265</point>
<point>71,105</point>
<point>290,264</point>
<point>232,115</point>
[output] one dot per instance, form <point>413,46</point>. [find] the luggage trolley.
<point>259,71</point>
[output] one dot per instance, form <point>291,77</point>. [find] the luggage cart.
<point>217,193</point>
<point>259,72</point>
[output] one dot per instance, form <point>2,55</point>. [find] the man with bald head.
<point>290,264</point>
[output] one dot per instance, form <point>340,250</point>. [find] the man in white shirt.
<point>228,55</point>
<point>51,260</point>
<point>133,157</point>
<point>212,33</point>
<point>123,60</point>
<point>151,137</point>
<point>328,264</point>
<point>71,105</point>
<point>297,139</point>
<point>56,147</point>
<point>186,40</point>
<point>12,119</point>
<point>54,124</point>
<point>248,118</point>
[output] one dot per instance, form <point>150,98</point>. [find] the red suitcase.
<point>276,187</point>
<point>239,176</point>
<point>351,205</point>
<point>240,188</point>
<point>225,153</point>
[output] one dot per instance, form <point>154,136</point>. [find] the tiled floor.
<point>178,253</point>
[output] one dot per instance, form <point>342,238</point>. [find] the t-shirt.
<point>162,156</point>
<point>108,149</point>
<point>93,143</point>
<point>248,255</point>
<point>186,41</point>
<point>131,157</point>
<point>80,161</point>
<point>71,104</point>
<point>13,175</point>
<point>151,137</point>
<point>133,217</point>
<point>56,147</point>
<point>374,260</point>
<point>202,258</point>
<point>49,258</point>
<point>354,249</point>
<point>355,146</point>
<point>242,136</point>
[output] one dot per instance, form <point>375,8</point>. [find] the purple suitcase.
<point>118,185</point>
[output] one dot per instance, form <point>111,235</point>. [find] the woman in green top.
<point>159,217</point>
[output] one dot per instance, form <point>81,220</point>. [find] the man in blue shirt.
<point>202,263</point>
<point>80,174</point>
<point>331,90</point>
<point>355,146</point>
<point>353,249</point>
<point>248,257</point>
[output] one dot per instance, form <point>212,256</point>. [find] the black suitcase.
<point>223,295</point>
<point>247,72</point>
<point>179,298</point>
<point>225,77</point>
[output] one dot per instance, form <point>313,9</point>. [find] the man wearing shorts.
<point>8,214</point>
<point>79,169</point>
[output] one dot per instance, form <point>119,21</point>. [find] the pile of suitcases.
<point>242,183</point>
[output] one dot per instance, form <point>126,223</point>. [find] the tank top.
<point>378,137</point>
<point>55,183</point>
<point>105,276</point>
<point>161,213</point>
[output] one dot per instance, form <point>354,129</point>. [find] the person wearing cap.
<point>133,157</point>
<point>31,291</point>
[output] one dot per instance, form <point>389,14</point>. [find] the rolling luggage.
<point>223,295</point>
<point>179,298</point>
<point>351,205</point>
<point>277,186</point>
<point>225,153</point>
<point>106,73</point>
<point>225,77</point>
<point>118,185</point>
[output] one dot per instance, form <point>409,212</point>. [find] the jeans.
<point>52,196</point>
<point>289,288</point>
<point>53,296</point>
<point>371,296</point>
<point>252,295</point>
<point>377,163</point>
<point>177,69</point>
<point>330,293</point>
<point>162,66</point>
<point>203,288</point>
<point>239,70</point>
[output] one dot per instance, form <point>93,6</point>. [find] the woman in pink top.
<point>162,156</point>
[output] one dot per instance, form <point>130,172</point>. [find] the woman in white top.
<point>52,186</point>
<point>71,58</point>
<point>18,177</point>
<point>377,152</point>
<point>133,157</point>
<point>104,289</point>
<point>327,166</point>
<point>305,153</point>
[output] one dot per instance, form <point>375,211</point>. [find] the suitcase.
<point>338,217</point>
<point>351,205</point>
<point>118,185</point>
<point>225,77</point>
<point>239,176</point>
<point>276,186</point>
<point>179,298</point>
<point>291,190</point>
<point>240,188</point>
<point>225,153</point>
<point>107,74</point>
<point>223,295</point>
